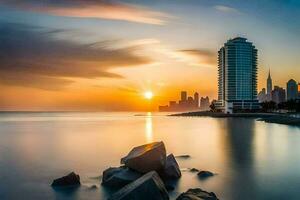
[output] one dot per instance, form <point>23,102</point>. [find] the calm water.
<point>254,160</point>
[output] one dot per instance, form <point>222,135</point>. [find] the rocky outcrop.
<point>197,194</point>
<point>118,177</point>
<point>205,174</point>
<point>171,170</point>
<point>146,158</point>
<point>71,179</point>
<point>147,187</point>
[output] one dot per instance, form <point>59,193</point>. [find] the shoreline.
<point>277,118</point>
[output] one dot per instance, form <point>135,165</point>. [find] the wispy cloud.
<point>227,9</point>
<point>101,9</point>
<point>31,57</point>
<point>199,57</point>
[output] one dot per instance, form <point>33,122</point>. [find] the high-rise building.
<point>237,76</point>
<point>269,87</point>
<point>262,96</point>
<point>204,103</point>
<point>196,99</point>
<point>291,90</point>
<point>183,96</point>
<point>298,90</point>
<point>278,94</point>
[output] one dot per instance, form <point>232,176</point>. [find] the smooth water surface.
<point>252,159</point>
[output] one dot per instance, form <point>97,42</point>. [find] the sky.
<point>102,55</point>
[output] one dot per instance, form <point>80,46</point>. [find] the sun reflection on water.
<point>148,127</point>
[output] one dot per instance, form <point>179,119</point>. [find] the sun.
<point>148,95</point>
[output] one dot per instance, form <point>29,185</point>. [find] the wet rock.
<point>146,158</point>
<point>93,187</point>
<point>183,156</point>
<point>197,194</point>
<point>118,177</point>
<point>148,187</point>
<point>170,187</point>
<point>71,179</point>
<point>171,170</point>
<point>205,174</point>
<point>194,170</point>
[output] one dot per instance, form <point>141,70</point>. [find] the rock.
<point>118,177</point>
<point>146,158</point>
<point>71,179</point>
<point>205,174</point>
<point>171,170</point>
<point>93,187</point>
<point>194,170</point>
<point>183,156</point>
<point>148,187</point>
<point>169,187</point>
<point>197,194</point>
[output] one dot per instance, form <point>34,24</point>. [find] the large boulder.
<point>118,177</point>
<point>148,187</point>
<point>171,170</point>
<point>71,179</point>
<point>197,194</point>
<point>146,158</point>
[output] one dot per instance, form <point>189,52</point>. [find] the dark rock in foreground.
<point>71,179</point>
<point>197,194</point>
<point>205,174</point>
<point>171,170</point>
<point>146,158</point>
<point>118,177</point>
<point>148,187</point>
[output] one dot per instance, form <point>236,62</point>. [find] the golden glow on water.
<point>148,127</point>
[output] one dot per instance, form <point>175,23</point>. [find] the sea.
<point>252,159</point>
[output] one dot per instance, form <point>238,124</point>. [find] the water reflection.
<point>148,127</point>
<point>239,141</point>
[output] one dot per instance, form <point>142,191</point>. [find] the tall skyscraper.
<point>196,99</point>
<point>278,94</point>
<point>269,87</point>
<point>262,96</point>
<point>183,96</point>
<point>237,76</point>
<point>291,89</point>
<point>298,90</point>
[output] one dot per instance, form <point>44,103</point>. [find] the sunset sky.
<point>104,55</point>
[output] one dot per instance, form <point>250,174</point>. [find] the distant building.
<point>262,96</point>
<point>278,95</point>
<point>204,103</point>
<point>298,90</point>
<point>269,87</point>
<point>237,76</point>
<point>291,90</point>
<point>183,96</point>
<point>196,99</point>
<point>186,103</point>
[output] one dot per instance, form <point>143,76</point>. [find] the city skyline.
<point>56,56</point>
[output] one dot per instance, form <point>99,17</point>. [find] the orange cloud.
<point>32,58</point>
<point>93,9</point>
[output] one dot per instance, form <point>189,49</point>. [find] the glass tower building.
<point>237,76</point>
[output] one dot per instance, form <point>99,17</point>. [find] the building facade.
<point>291,90</point>
<point>262,96</point>
<point>269,88</point>
<point>278,95</point>
<point>237,76</point>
